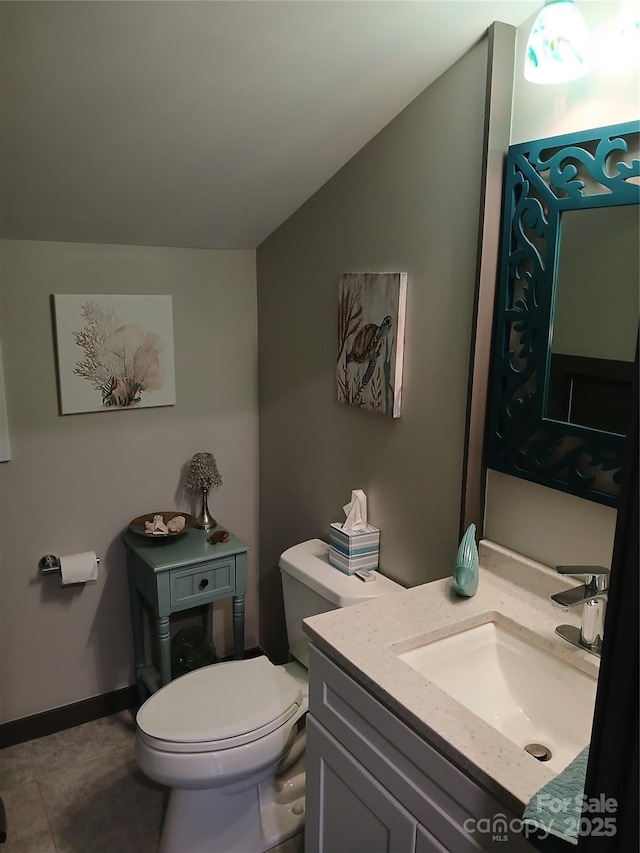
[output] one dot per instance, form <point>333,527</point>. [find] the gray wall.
<point>408,201</point>
<point>541,523</point>
<point>75,481</point>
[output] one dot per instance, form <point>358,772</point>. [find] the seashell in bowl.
<point>162,526</point>
<point>176,524</point>
<point>157,527</point>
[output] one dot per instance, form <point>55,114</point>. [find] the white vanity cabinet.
<point>375,785</point>
<point>356,812</point>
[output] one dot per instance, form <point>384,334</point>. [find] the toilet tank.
<point>311,585</point>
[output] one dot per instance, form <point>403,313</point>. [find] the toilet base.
<point>228,820</point>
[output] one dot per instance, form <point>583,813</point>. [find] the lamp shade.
<point>203,473</point>
<point>558,49</point>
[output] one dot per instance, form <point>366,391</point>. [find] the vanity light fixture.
<point>558,46</point>
<point>629,23</point>
<point>620,52</point>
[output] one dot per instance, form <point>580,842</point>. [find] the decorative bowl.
<point>137,525</point>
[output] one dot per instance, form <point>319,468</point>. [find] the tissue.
<point>354,544</point>
<point>356,511</point>
<point>78,568</point>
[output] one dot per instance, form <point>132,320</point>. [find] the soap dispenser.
<point>465,575</point>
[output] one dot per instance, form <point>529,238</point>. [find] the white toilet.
<point>229,739</point>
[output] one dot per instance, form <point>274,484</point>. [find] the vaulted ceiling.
<point>204,124</point>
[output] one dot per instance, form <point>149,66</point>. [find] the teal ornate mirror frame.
<point>543,179</point>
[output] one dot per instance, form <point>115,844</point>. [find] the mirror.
<point>567,312</point>
<point>595,319</point>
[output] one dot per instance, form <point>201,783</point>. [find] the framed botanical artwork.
<point>371,319</point>
<point>114,352</point>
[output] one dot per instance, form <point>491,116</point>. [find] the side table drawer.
<point>202,583</point>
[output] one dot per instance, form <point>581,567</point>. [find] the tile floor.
<point>80,791</point>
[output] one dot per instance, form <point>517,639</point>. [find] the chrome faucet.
<point>592,594</point>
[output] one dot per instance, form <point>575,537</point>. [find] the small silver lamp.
<point>203,475</point>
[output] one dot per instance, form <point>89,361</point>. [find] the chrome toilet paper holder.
<point>49,564</point>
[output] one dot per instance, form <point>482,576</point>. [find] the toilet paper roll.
<point>78,568</point>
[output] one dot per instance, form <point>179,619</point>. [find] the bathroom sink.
<point>527,694</point>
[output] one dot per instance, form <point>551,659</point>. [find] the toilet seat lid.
<point>218,702</point>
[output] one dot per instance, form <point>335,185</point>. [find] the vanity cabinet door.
<point>347,809</point>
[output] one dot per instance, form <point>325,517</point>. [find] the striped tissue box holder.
<point>354,550</point>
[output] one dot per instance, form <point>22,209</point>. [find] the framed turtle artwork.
<point>371,319</point>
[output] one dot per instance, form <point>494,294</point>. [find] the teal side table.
<point>180,574</point>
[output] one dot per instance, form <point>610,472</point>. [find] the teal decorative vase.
<point>465,575</point>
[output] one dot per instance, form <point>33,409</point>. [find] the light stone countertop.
<point>365,640</point>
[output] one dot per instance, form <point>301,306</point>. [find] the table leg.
<point>207,628</point>
<point>238,627</point>
<point>137,630</point>
<point>164,649</point>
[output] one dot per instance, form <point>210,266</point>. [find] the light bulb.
<point>558,46</point>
